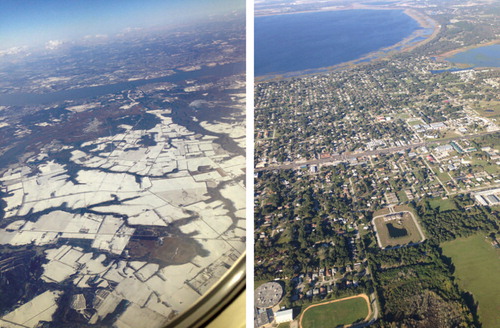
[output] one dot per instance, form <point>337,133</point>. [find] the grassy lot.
<point>477,267</point>
<point>284,325</point>
<point>443,204</point>
<point>402,196</point>
<point>480,165</point>
<point>335,314</point>
<point>403,116</point>
<point>402,208</point>
<point>443,176</point>
<point>488,108</point>
<point>407,223</point>
<point>383,211</point>
<point>415,122</point>
<point>449,134</point>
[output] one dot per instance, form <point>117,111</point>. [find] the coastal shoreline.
<point>424,22</point>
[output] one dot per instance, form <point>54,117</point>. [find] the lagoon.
<point>304,41</point>
<point>486,56</point>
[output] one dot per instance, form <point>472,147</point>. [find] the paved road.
<point>436,176</point>
<point>346,156</point>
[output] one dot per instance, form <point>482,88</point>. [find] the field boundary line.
<point>363,296</point>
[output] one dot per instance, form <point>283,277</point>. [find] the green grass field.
<point>415,122</point>
<point>402,196</point>
<point>443,204</point>
<point>403,208</point>
<point>443,176</point>
<point>449,134</point>
<point>477,268</point>
<point>482,165</point>
<point>335,314</point>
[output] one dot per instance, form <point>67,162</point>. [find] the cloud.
<point>53,44</point>
<point>132,29</point>
<point>12,51</point>
<point>97,36</point>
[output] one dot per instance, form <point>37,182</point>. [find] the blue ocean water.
<point>297,42</point>
<point>487,56</point>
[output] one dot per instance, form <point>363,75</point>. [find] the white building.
<point>488,197</point>
<point>284,316</point>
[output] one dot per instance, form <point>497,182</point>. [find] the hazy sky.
<point>35,22</point>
